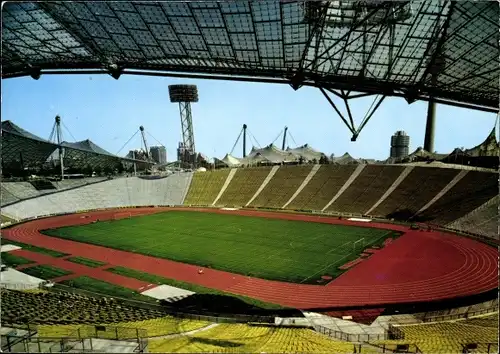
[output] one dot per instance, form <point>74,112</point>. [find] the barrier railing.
<point>350,337</point>
<point>82,336</point>
<point>456,316</point>
<point>19,286</point>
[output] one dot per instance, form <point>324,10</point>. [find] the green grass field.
<point>283,250</point>
<point>45,272</point>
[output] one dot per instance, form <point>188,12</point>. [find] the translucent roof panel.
<point>22,148</point>
<point>416,49</point>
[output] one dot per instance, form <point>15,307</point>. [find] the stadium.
<point>254,256</point>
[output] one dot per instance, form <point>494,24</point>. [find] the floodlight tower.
<point>184,95</point>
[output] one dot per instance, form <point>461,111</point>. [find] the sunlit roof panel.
<point>360,46</point>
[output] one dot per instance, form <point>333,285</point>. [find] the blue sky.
<point>109,111</point>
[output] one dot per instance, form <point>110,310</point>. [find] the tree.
<point>120,168</point>
<point>87,170</point>
<point>108,171</point>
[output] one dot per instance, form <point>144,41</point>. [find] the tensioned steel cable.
<point>128,141</point>
<point>252,136</point>
<point>291,137</point>
<point>151,135</point>
<point>281,132</point>
<point>236,142</point>
<point>64,126</point>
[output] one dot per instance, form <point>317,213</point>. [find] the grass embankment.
<point>46,272</point>
<point>13,260</point>
<point>86,262</point>
<point>102,287</point>
<point>36,249</point>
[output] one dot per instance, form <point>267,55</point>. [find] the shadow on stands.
<point>223,305</point>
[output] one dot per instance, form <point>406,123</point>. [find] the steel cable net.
<point>365,46</point>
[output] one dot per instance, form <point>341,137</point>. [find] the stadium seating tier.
<point>418,188</point>
<point>483,220</point>
<point>448,337</point>
<point>282,186</point>
<point>243,186</point>
<point>472,191</point>
<point>240,338</point>
<point>19,307</point>
<point>205,186</point>
<point>322,187</point>
<point>366,189</point>
<point>117,192</point>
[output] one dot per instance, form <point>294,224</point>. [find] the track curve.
<point>419,266</point>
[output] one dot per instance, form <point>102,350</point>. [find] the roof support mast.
<point>61,149</point>
<point>57,137</point>
<point>244,140</point>
<point>144,141</point>
<point>284,138</point>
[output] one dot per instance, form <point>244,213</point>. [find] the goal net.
<point>122,215</point>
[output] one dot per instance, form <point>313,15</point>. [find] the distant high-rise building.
<point>185,154</point>
<point>400,145</point>
<point>136,155</point>
<point>158,154</point>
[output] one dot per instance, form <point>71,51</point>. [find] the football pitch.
<point>284,250</point>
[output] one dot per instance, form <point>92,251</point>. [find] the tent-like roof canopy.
<point>414,49</point>
<point>19,145</point>
<point>272,155</point>
<point>345,159</point>
<point>489,147</point>
<point>306,152</point>
<point>22,147</point>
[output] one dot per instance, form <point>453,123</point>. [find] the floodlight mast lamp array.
<point>184,95</point>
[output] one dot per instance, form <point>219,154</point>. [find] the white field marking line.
<point>336,248</point>
<point>325,267</point>
<point>275,254</point>
<point>338,261</point>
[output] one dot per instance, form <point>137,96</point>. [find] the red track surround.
<point>418,266</point>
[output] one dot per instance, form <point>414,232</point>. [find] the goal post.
<point>356,244</point>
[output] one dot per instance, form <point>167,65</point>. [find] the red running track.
<point>418,266</point>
